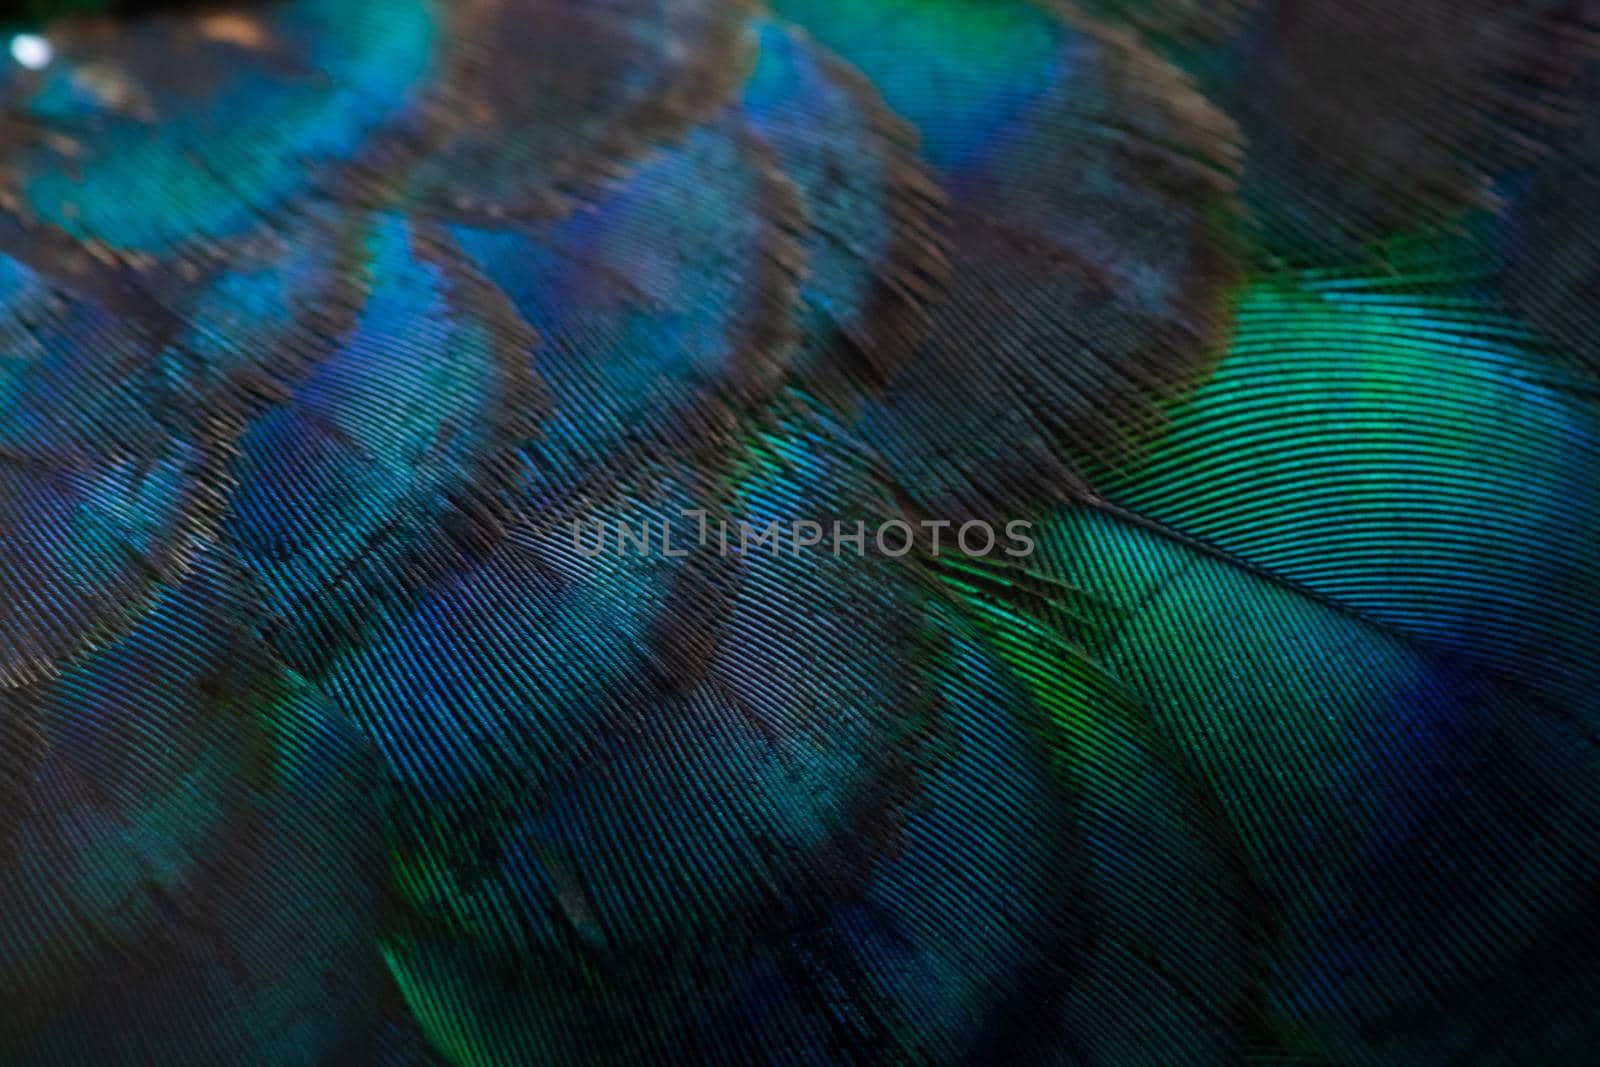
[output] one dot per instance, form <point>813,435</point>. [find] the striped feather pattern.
<point>341,342</point>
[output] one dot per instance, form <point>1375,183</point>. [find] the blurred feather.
<point>1368,119</point>
<point>1547,255</point>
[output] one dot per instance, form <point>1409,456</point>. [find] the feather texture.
<point>487,496</point>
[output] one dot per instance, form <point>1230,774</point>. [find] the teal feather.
<point>1043,351</point>
<point>1397,809</point>
<point>115,143</point>
<point>338,339</point>
<point>197,813</point>
<point>1394,444</point>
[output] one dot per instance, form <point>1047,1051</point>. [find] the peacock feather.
<point>829,531</point>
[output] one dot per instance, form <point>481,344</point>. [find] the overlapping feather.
<point>323,741</point>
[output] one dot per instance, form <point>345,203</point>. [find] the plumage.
<point>1368,120</point>
<point>887,531</point>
